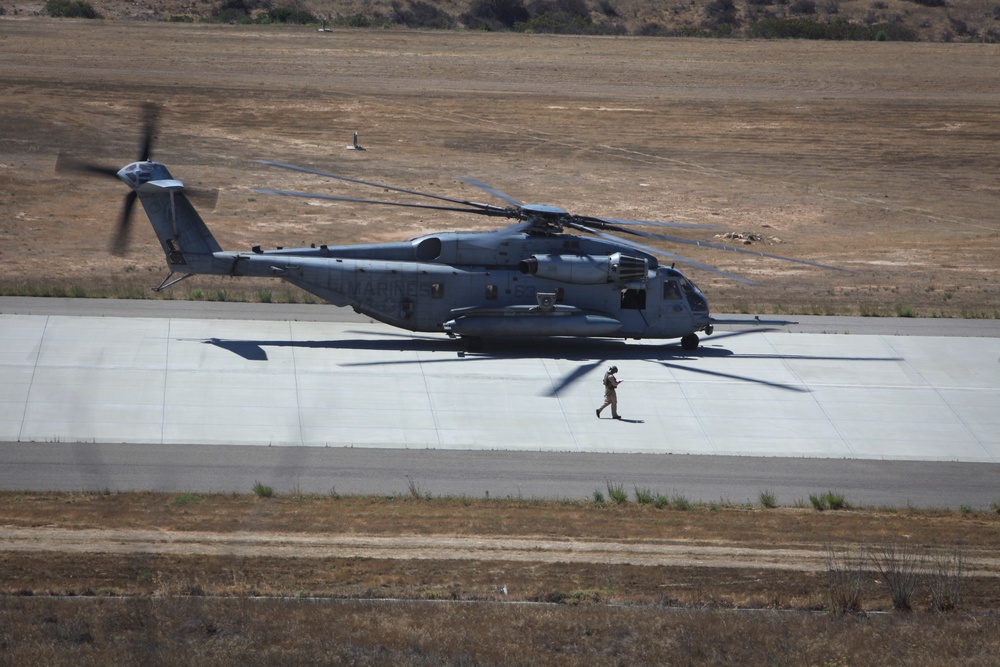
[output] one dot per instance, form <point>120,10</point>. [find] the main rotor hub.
<point>544,219</point>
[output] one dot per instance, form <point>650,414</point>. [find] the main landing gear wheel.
<point>690,342</point>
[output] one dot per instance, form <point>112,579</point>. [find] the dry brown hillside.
<point>923,20</point>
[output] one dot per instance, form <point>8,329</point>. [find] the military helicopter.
<point>531,278</point>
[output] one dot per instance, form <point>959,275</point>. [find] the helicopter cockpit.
<point>676,287</point>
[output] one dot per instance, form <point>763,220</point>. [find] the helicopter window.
<point>696,301</point>
<point>437,290</point>
<point>491,291</point>
<point>671,290</point>
<point>634,299</point>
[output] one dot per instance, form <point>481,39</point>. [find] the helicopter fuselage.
<point>494,284</point>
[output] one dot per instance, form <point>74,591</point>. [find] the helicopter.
<point>532,278</point>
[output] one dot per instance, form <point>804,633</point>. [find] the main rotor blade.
<point>493,211</point>
<point>206,198</point>
<point>372,184</point>
<point>719,246</point>
<point>120,242</point>
<point>646,223</point>
<point>499,194</point>
<point>659,253</point>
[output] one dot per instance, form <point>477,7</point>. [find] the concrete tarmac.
<point>197,403</point>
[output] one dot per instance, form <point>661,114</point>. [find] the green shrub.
<point>359,21</point>
<point>681,503</point>
<point>70,9</point>
<point>643,496</point>
<point>829,500</point>
<point>835,501</point>
<point>419,14</point>
<point>799,28</point>
<point>768,499</point>
<point>186,499</point>
<point>291,15</point>
<point>262,490</point>
<point>617,492</point>
<point>495,14</point>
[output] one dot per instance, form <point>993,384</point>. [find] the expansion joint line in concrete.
<point>298,394</point>
<point>31,383</point>
<point>166,382</point>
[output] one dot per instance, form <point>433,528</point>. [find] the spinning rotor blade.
<point>719,246</point>
<point>493,211</point>
<point>119,244</point>
<point>657,252</point>
<point>645,223</point>
<point>151,115</point>
<point>68,164</point>
<point>613,225</point>
<point>548,217</point>
<point>206,198</point>
<point>486,207</point>
<point>499,194</point>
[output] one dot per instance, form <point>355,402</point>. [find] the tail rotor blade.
<point>151,113</point>
<point>67,164</point>
<point>120,243</point>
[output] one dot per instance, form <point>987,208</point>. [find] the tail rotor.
<point>66,164</point>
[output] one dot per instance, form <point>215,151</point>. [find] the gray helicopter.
<point>529,279</point>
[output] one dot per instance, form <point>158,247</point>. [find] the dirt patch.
<point>874,157</point>
<point>515,541</point>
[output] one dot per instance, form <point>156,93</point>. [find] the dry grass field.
<point>876,157</point>
<point>186,579</point>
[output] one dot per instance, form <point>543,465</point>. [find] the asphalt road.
<point>529,474</point>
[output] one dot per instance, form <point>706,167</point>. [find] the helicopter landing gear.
<point>690,342</point>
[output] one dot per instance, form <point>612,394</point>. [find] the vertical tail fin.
<point>184,237</point>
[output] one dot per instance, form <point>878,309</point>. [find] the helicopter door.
<point>633,299</point>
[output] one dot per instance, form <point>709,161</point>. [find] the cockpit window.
<point>694,297</point>
<point>671,291</point>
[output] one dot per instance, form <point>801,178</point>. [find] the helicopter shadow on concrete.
<point>254,350</point>
<point>591,355</point>
<point>594,354</point>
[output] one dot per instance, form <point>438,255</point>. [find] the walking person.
<point>610,395</point>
